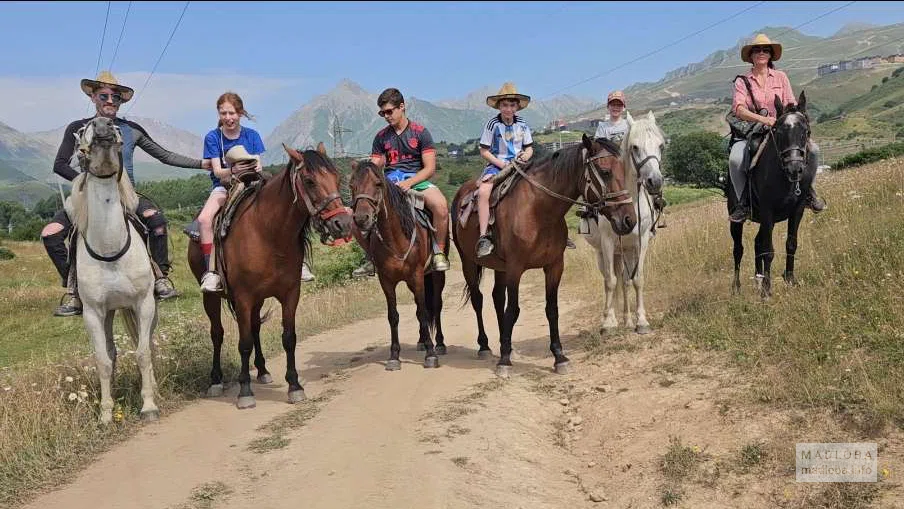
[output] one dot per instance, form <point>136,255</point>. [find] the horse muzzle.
<point>623,219</point>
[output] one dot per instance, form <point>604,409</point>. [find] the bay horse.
<point>779,184</point>
<point>262,255</point>
<point>531,234</point>
<point>113,268</point>
<point>401,250</point>
<point>620,258</point>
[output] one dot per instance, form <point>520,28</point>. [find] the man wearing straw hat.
<point>108,95</point>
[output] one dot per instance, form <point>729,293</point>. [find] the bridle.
<point>377,203</point>
<point>317,212</point>
<point>792,154</point>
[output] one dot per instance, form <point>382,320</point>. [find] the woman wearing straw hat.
<point>766,83</point>
<point>505,137</point>
<point>108,95</point>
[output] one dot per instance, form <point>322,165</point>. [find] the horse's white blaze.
<point>617,256</point>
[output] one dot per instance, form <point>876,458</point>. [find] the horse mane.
<point>79,213</point>
<point>398,201</point>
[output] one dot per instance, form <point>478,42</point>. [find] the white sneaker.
<point>210,282</point>
<point>306,274</point>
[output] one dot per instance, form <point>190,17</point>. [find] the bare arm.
<point>527,153</point>
<point>744,114</point>
<point>224,174</point>
<point>429,169</point>
<point>492,159</point>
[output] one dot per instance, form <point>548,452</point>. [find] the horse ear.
<point>293,154</point>
<point>629,118</point>
<point>779,107</point>
<point>651,117</point>
<point>802,102</point>
<point>588,143</point>
<point>321,148</point>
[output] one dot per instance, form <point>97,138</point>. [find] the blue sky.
<point>280,55</point>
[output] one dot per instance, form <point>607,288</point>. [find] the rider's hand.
<point>405,185</point>
<point>770,122</point>
<point>205,164</point>
<point>259,168</point>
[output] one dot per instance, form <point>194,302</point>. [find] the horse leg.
<point>643,326</point>
<point>263,376</point>
<point>392,314</point>
<point>499,300</point>
<point>765,254</point>
<point>471,273</point>
<point>100,330</point>
<point>626,308</point>
<point>143,317</point>
<point>737,235</point>
<point>289,305</point>
<point>416,285</point>
<point>243,311</point>
<point>214,313</point>
<point>553,274</point>
<point>504,366</point>
<point>439,282</point>
<point>791,247</point>
<point>607,266</point>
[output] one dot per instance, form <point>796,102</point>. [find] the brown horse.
<point>400,250</point>
<point>531,233</point>
<point>262,256</point>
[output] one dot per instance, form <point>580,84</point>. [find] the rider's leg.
<point>738,175</point>
<point>436,202</point>
<point>205,221</point>
<point>483,206</point>
<point>816,203</point>
<point>54,238</point>
<point>154,220</point>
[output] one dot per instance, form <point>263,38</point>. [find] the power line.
<point>102,37</point>
<point>143,88</point>
<point>657,50</point>
<point>816,18</point>
<point>122,31</point>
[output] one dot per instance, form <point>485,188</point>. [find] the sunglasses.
<point>117,98</point>
<point>386,113</point>
<point>763,49</point>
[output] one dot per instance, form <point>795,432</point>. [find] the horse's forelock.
<point>315,161</point>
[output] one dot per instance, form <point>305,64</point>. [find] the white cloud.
<point>42,103</point>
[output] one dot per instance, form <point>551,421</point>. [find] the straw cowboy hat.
<point>618,95</point>
<point>238,154</point>
<point>508,91</point>
<point>106,79</point>
<point>761,40</point>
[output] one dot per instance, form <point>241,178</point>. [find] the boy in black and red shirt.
<point>405,151</point>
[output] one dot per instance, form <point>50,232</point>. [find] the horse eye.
<point>309,182</point>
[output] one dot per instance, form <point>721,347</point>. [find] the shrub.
<point>697,159</point>
<point>871,155</point>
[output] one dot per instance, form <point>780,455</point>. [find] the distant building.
<point>895,59</point>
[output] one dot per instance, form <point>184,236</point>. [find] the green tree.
<point>698,159</point>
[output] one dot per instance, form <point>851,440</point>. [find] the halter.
<point>792,154</point>
<point>86,137</point>
<point>376,203</point>
<point>318,213</point>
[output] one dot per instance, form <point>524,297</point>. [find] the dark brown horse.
<point>531,233</point>
<point>262,256</point>
<point>400,249</point>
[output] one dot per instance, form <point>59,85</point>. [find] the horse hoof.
<point>441,349</point>
<point>265,379</point>
<point>246,402</point>
<point>485,354</point>
<point>503,371</point>
<point>106,417</point>
<point>605,331</point>
<point>215,391</point>
<point>297,396</point>
<point>561,368</point>
<point>393,365</point>
<point>150,416</point>
<point>643,329</point>
<point>431,362</point>
<point>421,347</point>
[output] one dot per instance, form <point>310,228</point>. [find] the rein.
<point>588,172</point>
<point>377,204</point>
<point>803,156</point>
<point>318,213</point>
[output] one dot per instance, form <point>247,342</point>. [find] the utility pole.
<point>338,149</point>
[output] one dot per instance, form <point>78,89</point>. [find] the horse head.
<point>643,146</point>
<point>605,184</point>
<point>315,179</point>
<point>100,148</point>
<point>791,135</point>
<point>366,185</point>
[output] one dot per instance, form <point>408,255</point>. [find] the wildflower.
<point>82,395</point>
<point>69,379</point>
<point>73,396</point>
<point>7,388</point>
<point>696,449</point>
<point>117,415</point>
<point>885,472</point>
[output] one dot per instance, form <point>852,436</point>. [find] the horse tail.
<point>128,316</point>
<point>468,290</point>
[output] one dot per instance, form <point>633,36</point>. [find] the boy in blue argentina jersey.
<point>505,137</point>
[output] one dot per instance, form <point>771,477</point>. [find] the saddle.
<point>502,184</point>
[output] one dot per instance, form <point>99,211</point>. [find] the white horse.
<point>112,265</point>
<point>621,258</point>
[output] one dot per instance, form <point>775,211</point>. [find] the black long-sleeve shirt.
<point>132,135</point>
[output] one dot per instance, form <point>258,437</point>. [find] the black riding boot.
<point>741,210</point>
<point>56,249</point>
<point>814,202</point>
